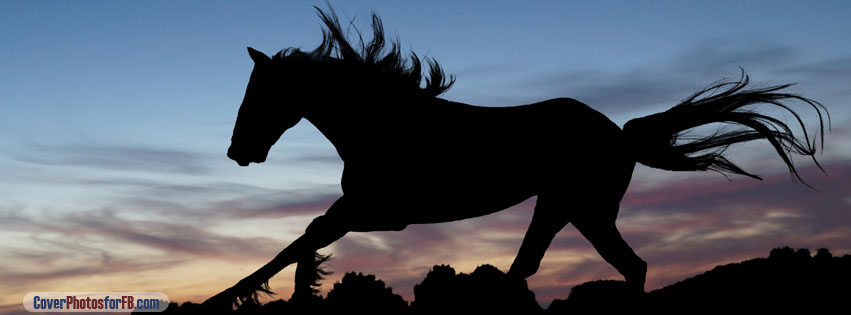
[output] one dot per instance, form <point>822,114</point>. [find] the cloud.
<point>711,56</point>
<point>649,86</point>
<point>778,190</point>
<point>44,250</point>
<point>172,238</point>
<point>82,270</point>
<point>487,71</point>
<point>273,205</point>
<point>615,92</point>
<point>153,187</point>
<point>829,71</point>
<point>91,233</point>
<point>116,158</point>
<point>206,200</point>
<point>333,160</point>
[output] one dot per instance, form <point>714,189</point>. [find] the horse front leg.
<point>309,269</point>
<point>323,231</point>
<point>309,272</point>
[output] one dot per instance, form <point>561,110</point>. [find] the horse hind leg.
<point>547,220</point>
<point>601,231</point>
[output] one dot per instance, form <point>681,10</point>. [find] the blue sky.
<point>115,118</point>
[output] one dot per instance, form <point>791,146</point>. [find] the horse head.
<point>264,114</point>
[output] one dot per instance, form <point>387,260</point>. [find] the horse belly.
<point>469,190</point>
<point>453,205</point>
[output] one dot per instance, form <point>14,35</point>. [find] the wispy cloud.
<point>116,157</point>
<point>167,238</point>
<point>665,83</point>
<point>274,205</point>
<point>707,58</point>
<point>822,70</point>
<point>102,241</point>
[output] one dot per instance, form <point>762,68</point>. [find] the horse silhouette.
<point>411,157</point>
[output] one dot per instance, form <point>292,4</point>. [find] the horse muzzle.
<point>243,159</point>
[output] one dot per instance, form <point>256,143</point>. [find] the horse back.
<point>470,145</point>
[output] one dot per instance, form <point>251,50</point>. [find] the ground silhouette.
<point>786,280</point>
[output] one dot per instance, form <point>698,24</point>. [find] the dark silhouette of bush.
<point>823,255</point>
<point>363,294</point>
<point>486,290</point>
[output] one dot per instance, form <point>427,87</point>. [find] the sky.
<point>115,117</point>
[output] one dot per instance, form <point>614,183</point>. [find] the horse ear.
<point>258,56</point>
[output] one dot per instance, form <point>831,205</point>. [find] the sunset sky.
<point>115,117</point>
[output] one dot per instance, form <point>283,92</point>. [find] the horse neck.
<point>350,122</point>
<point>337,120</point>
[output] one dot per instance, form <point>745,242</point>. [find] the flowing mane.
<point>371,63</point>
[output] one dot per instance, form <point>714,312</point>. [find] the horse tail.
<point>662,140</point>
